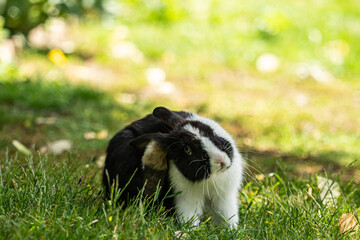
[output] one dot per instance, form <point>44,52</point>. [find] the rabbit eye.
<point>205,157</point>
<point>187,150</point>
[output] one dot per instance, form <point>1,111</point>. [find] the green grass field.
<point>280,76</point>
<point>46,199</point>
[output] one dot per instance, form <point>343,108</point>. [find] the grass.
<point>285,122</point>
<point>46,199</point>
<point>56,197</point>
<point>77,109</point>
<point>210,58</point>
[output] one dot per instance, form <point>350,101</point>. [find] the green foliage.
<point>3,32</point>
<point>156,11</point>
<point>22,15</point>
<point>7,72</point>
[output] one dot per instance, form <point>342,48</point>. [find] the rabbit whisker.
<point>199,170</point>
<point>207,185</point>
<point>196,160</point>
<point>217,184</point>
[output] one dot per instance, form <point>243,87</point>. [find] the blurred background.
<point>281,76</point>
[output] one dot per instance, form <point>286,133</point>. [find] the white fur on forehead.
<point>192,129</point>
<point>206,142</point>
<point>218,130</point>
<point>214,125</point>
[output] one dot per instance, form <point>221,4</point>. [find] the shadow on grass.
<point>78,109</point>
<point>75,110</point>
<point>324,163</point>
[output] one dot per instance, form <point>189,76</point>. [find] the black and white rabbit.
<point>202,163</point>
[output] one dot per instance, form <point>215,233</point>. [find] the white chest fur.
<point>217,194</point>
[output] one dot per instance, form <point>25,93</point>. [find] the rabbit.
<point>192,156</point>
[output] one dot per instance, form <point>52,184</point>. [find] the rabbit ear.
<point>168,117</point>
<point>142,141</point>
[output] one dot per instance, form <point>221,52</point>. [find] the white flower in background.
<point>67,46</point>
<point>38,37</point>
<point>267,63</point>
<point>7,50</point>
<point>320,74</point>
<point>56,26</point>
<point>53,34</point>
<point>126,98</point>
<point>127,50</point>
<point>301,99</point>
<point>92,73</point>
<point>166,88</point>
<point>316,71</point>
<point>155,76</point>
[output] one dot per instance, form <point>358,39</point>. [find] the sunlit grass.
<point>294,113</point>
<point>43,198</point>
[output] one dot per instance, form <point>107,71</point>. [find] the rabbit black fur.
<point>186,153</point>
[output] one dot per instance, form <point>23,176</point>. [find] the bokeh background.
<point>281,76</point>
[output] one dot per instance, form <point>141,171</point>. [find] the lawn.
<point>280,76</point>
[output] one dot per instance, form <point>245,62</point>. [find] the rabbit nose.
<point>220,160</point>
<point>222,165</point>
